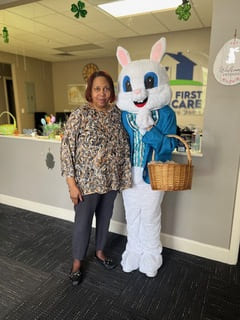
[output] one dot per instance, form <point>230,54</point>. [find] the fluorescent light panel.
<point>131,7</point>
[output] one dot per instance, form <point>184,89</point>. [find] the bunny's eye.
<point>127,84</point>
<point>150,80</point>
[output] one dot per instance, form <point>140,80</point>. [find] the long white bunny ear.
<point>158,50</point>
<point>123,56</point>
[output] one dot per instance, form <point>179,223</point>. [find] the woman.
<point>96,162</point>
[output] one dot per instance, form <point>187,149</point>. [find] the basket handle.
<point>14,120</point>
<point>185,144</point>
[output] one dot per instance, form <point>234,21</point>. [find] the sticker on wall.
<point>76,94</point>
<point>226,67</point>
<point>188,78</point>
<point>50,163</point>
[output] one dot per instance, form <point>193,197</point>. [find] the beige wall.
<point>206,213</point>
<point>65,73</point>
<point>25,69</point>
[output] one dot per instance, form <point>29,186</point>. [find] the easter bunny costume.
<point>143,96</point>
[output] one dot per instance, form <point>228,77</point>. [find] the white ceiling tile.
<point>203,8</point>
<point>113,28</point>
<point>144,24</point>
<point>18,21</point>
<point>59,22</point>
<point>30,11</point>
<point>172,23</point>
<point>34,40</point>
<point>74,28</point>
<point>49,33</point>
<point>58,5</point>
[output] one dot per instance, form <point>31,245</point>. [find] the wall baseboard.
<point>172,242</point>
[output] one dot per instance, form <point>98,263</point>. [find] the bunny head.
<point>143,84</point>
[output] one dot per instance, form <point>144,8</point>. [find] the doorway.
<point>9,97</point>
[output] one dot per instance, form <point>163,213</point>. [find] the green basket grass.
<point>7,129</point>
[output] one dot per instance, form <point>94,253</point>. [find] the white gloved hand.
<point>144,120</point>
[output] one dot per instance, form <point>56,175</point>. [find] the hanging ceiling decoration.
<point>183,11</point>
<point>79,9</point>
<point>5,35</point>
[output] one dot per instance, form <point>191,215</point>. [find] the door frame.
<point>5,78</point>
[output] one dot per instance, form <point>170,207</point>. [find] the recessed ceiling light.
<point>131,7</point>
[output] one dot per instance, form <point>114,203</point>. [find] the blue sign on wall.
<point>188,93</point>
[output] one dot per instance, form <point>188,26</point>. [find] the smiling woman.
<point>95,160</point>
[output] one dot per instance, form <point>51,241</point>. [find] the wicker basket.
<point>171,176</point>
<point>8,128</point>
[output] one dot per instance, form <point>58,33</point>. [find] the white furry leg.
<point>131,256</point>
<point>130,261</point>
<point>150,264</point>
<point>150,228</point>
<point>143,215</point>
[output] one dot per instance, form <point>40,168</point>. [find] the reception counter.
<point>30,178</point>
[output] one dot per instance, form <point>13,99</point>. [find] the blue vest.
<point>156,139</point>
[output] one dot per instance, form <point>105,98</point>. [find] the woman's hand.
<point>75,193</point>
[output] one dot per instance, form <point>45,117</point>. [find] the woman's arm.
<point>68,155</point>
<point>75,193</point>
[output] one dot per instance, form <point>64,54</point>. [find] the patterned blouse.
<point>95,150</point>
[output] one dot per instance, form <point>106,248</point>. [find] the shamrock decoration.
<point>183,11</point>
<point>5,35</point>
<point>79,9</point>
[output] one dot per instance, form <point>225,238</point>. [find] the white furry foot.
<point>127,270</point>
<point>151,274</point>
<point>150,264</point>
<point>130,261</point>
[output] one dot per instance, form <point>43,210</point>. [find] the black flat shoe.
<point>75,277</point>
<point>107,263</point>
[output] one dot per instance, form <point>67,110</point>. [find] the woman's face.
<point>101,93</point>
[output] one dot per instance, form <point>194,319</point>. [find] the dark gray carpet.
<point>35,258</point>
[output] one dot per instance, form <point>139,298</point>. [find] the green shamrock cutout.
<point>5,35</point>
<point>183,11</point>
<point>79,9</point>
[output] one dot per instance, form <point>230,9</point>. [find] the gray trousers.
<point>102,205</point>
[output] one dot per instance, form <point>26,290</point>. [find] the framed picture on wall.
<point>76,93</point>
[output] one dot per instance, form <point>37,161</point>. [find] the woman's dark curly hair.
<point>88,92</point>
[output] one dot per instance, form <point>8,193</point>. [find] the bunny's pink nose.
<point>137,91</point>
